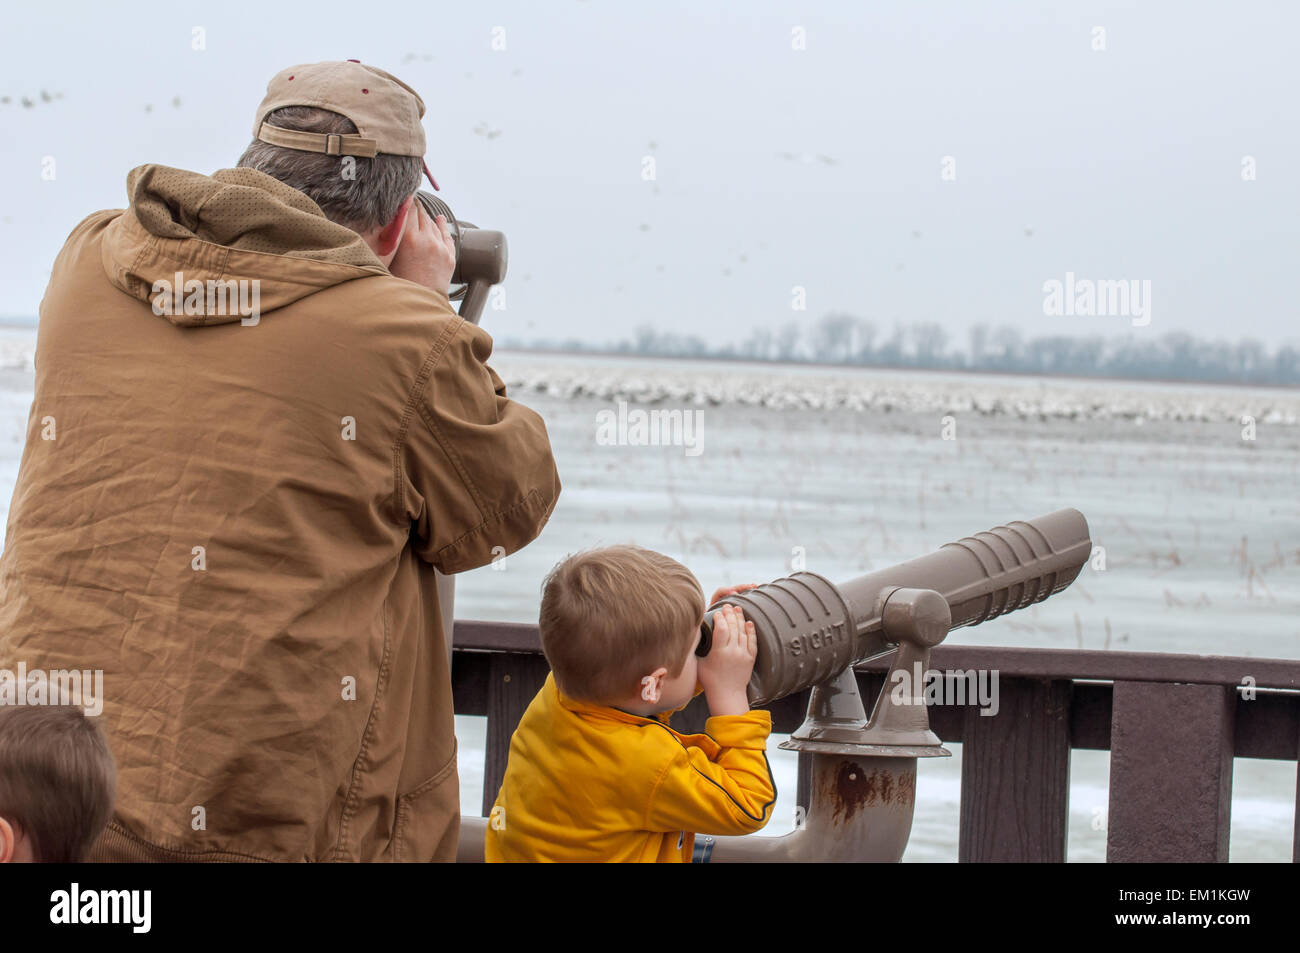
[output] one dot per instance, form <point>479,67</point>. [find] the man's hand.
<point>427,254</point>
<point>725,671</point>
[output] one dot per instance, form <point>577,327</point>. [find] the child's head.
<point>57,783</point>
<point>611,617</point>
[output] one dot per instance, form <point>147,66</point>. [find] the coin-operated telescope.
<point>480,263</point>
<point>810,635</point>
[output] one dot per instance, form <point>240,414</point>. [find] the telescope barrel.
<point>810,629</point>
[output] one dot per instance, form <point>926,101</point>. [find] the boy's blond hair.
<point>612,616</point>
<point>57,779</point>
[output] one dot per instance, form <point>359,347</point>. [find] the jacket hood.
<point>228,247</point>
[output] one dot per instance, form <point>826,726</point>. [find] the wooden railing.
<point>1172,724</point>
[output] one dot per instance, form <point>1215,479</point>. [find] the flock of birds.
<point>678,385</point>
<point>490,132</point>
<point>45,96</point>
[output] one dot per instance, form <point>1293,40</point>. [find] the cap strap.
<point>331,144</point>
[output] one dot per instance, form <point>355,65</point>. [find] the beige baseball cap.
<point>385,110</point>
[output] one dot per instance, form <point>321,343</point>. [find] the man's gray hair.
<point>363,196</point>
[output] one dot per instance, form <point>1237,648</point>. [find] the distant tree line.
<point>846,339</point>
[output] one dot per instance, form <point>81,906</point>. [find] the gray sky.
<point>1125,163</point>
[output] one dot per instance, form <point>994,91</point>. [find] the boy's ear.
<point>7,841</point>
<point>651,684</point>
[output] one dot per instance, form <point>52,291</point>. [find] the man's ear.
<point>390,236</point>
<point>651,684</point>
<point>7,841</point>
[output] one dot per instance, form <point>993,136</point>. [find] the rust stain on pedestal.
<point>856,787</point>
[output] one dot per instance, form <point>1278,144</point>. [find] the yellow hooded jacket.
<point>592,783</point>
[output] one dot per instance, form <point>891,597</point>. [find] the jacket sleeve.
<point>479,468</point>
<point>732,793</point>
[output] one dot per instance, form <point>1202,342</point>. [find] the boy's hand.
<point>725,671</point>
<point>731,591</point>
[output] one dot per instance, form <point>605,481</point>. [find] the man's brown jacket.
<point>236,516</point>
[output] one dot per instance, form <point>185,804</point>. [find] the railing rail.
<point>1172,723</point>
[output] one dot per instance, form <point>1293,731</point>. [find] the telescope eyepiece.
<point>706,636</point>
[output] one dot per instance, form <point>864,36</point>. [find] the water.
<point>1200,528</point>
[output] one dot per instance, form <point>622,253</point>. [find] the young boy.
<point>595,773</point>
<point>57,783</point>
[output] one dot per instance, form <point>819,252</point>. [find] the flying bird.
<point>806,158</point>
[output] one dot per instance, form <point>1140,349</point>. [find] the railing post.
<point>1015,775</point>
<point>1171,749</point>
<point>513,681</point>
<point>1295,847</point>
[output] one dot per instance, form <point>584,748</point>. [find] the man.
<point>236,511</point>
